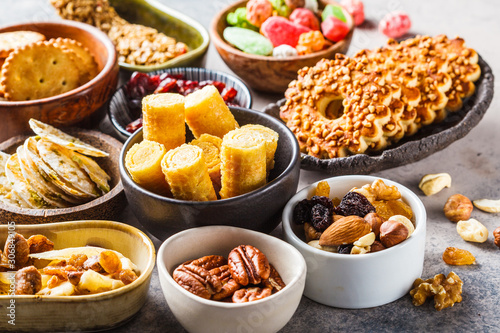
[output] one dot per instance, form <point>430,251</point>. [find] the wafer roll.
<point>187,174</point>
<point>211,151</point>
<point>271,139</point>
<point>206,112</point>
<point>163,119</point>
<point>143,162</point>
<point>243,158</point>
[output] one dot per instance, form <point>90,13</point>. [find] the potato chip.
<point>57,158</point>
<point>9,41</point>
<point>21,186</point>
<point>70,142</point>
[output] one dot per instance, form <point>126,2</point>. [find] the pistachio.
<point>433,183</point>
<point>487,205</point>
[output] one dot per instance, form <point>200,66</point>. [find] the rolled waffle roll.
<point>271,139</point>
<point>211,146</point>
<point>163,119</point>
<point>243,158</point>
<point>143,162</point>
<point>206,112</point>
<point>187,174</point>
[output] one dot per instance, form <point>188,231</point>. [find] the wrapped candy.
<point>305,17</point>
<point>310,42</point>
<point>258,11</point>
<point>238,18</point>
<point>284,51</point>
<point>395,24</point>
<point>356,9</point>
<point>281,8</point>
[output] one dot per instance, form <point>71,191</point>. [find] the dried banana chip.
<point>57,136</point>
<point>57,158</point>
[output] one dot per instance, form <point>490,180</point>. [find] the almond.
<point>346,230</point>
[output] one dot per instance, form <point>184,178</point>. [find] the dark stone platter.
<point>427,141</point>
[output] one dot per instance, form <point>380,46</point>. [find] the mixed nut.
<point>245,276</point>
<point>368,219</point>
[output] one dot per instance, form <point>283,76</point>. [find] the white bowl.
<point>359,281</point>
<point>197,314</point>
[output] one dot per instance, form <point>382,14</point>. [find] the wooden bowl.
<point>85,312</point>
<point>266,73</point>
<point>106,207</point>
<point>75,105</point>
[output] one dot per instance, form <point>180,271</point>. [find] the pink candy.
<point>356,9</point>
<point>305,17</point>
<point>258,11</point>
<point>281,31</point>
<point>395,24</point>
<point>334,29</point>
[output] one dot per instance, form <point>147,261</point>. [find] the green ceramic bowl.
<point>172,23</point>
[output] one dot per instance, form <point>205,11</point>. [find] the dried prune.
<point>302,212</point>
<point>345,249</point>
<point>354,203</point>
<point>321,217</point>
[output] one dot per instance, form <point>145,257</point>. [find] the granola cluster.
<point>136,44</point>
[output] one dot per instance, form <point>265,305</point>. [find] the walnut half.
<point>446,290</point>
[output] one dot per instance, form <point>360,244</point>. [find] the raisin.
<point>302,212</point>
<point>324,201</point>
<point>456,256</point>
<point>321,217</point>
<point>345,249</point>
<point>354,203</point>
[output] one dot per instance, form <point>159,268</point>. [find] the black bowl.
<point>258,210</point>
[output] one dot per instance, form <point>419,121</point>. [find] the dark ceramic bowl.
<point>121,114</point>
<point>258,210</point>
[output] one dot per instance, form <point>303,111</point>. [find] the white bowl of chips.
<point>65,78</point>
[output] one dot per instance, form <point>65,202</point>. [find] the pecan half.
<point>208,262</point>
<point>251,294</point>
<point>228,289</point>
<point>197,280</point>
<point>248,265</point>
<point>223,273</point>
<point>275,280</point>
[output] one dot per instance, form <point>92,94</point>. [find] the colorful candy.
<point>310,42</point>
<point>281,8</point>
<point>284,51</point>
<point>280,31</point>
<point>295,3</point>
<point>395,24</point>
<point>334,29</point>
<point>258,11</point>
<point>312,5</point>
<point>248,41</point>
<point>305,17</point>
<point>356,9</point>
<point>238,18</point>
<point>335,11</point>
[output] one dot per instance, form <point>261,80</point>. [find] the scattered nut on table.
<point>433,183</point>
<point>496,234</point>
<point>458,208</point>
<point>472,230</point>
<point>488,205</point>
<point>446,290</point>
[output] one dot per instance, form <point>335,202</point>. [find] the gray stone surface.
<point>473,162</point>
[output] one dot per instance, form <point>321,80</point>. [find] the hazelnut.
<point>392,233</point>
<point>377,246</point>
<point>496,235</point>
<point>375,222</point>
<point>458,208</point>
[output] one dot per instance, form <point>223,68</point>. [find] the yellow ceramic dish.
<point>90,312</point>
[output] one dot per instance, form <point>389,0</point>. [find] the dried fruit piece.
<point>322,189</point>
<point>472,230</point>
<point>446,291</point>
<point>458,208</point>
<point>321,217</point>
<point>490,206</point>
<point>433,183</point>
<point>386,209</point>
<point>345,249</point>
<point>40,243</point>
<point>110,262</point>
<point>302,212</point>
<point>345,231</point>
<point>354,203</point>
<point>458,257</point>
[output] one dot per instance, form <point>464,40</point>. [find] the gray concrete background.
<point>473,162</point>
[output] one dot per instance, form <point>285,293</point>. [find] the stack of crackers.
<point>32,67</point>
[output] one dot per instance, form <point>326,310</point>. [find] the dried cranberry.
<point>321,217</point>
<point>345,249</point>
<point>229,95</point>
<point>134,126</point>
<point>302,212</point>
<point>354,203</point>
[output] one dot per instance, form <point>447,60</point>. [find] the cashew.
<point>315,243</point>
<point>472,231</point>
<point>433,183</point>
<point>366,240</point>
<point>490,206</point>
<point>360,249</point>
<point>405,221</point>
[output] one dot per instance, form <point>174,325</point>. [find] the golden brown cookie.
<point>9,41</point>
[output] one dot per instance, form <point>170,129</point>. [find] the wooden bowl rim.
<point>98,34</point>
<point>41,212</point>
<point>220,43</point>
